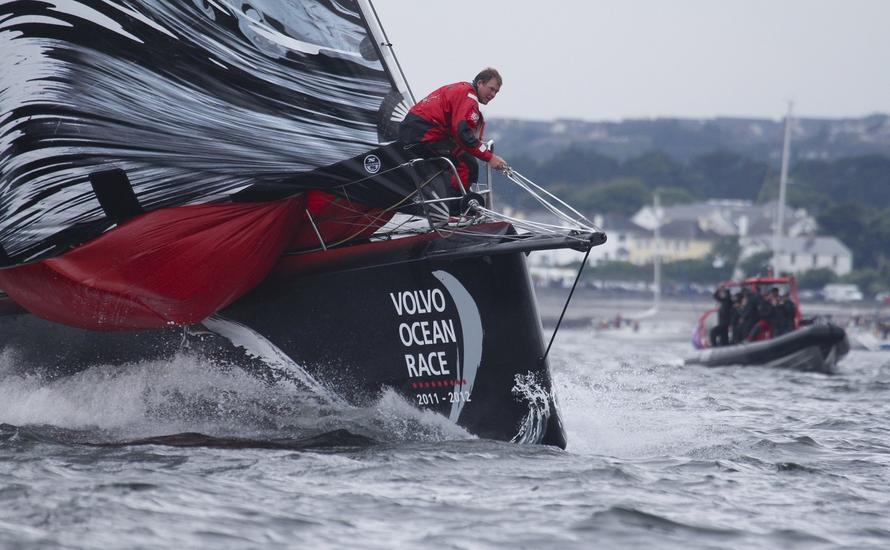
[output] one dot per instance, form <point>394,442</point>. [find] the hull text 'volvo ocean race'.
<point>223,176</point>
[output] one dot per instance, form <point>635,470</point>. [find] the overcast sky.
<point>616,59</point>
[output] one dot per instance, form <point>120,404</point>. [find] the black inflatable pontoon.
<point>816,347</point>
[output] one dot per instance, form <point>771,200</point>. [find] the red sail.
<point>173,266</point>
<point>337,219</point>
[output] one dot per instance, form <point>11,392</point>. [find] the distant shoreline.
<point>588,306</point>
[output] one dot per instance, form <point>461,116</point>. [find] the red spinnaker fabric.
<point>173,266</point>
<point>337,220</point>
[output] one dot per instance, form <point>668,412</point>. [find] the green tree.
<point>726,175</point>
<point>864,229</point>
<point>815,279</point>
<point>757,264</point>
<point>726,251</point>
<point>870,281</point>
<point>623,196</point>
<point>875,241</point>
<point>855,225</point>
<point>864,179</point>
<point>797,195</point>
<point>575,165</point>
<point>670,196</point>
<point>696,271</point>
<point>655,169</point>
<point>624,271</point>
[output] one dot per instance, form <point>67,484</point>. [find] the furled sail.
<point>147,118</point>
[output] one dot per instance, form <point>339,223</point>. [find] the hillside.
<point>683,139</point>
<point>839,171</point>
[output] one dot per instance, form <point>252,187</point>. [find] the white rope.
<point>513,175</point>
<point>474,215</point>
<point>537,227</point>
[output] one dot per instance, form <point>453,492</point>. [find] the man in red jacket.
<point>448,123</point>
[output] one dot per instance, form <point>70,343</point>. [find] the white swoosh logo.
<point>471,331</point>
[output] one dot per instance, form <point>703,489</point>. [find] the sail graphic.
<point>116,113</point>
<point>192,100</point>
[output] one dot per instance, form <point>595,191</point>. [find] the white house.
<point>727,217</point>
<point>628,242</point>
<point>799,254</point>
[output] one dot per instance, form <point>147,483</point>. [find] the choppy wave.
<point>191,394</point>
<point>660,455</point>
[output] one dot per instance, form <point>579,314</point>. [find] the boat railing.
<point>561,210</point>
<point>481,188</point>
<point>474,206</point>
<point>485,188</point>
<point>701,336</point>
<point>469,201</point>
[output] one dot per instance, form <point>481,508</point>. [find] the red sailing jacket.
<point>451,112</point>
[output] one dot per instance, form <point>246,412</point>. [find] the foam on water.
<point>628,405</point>
<point>528,388</point>
<point>192,394</point>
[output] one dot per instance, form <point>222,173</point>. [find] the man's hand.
<point>497,163</point>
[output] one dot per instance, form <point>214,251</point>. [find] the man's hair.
<point>487,74</point>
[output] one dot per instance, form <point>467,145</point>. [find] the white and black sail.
<point>110,108</point>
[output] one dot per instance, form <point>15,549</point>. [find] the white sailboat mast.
<point>656,202</point>
<point>779,231</point>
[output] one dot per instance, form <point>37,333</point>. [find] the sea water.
<point>660,455</point>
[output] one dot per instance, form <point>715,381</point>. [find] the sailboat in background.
<point>779,230</point>
<point>656,263</point>
<point>658,214</point>
<point>647,324</point>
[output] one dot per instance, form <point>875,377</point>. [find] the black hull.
<point>815,348</point>
<point>453,332</point>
